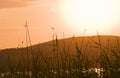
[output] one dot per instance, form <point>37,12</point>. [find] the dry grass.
<point>62,63</point>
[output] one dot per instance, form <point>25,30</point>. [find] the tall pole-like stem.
<point>28,44</point>
<point>28,33</point>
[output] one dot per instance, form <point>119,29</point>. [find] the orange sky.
<point>41,16</point>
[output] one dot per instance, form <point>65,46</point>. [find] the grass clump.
<point>83,58</point>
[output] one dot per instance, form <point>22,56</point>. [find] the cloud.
<point>14,3</point>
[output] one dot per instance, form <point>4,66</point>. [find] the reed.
<point>64,64</point>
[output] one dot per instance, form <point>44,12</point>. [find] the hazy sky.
<point>68,16</point>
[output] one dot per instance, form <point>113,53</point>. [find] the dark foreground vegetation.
<point>77,57</point>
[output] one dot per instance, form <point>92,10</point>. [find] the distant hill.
<point>89,46</point>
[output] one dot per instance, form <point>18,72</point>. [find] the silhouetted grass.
<point>62,63</point>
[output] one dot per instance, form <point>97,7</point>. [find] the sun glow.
<point>89,14</point>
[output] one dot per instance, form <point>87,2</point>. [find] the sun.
<point>88,14</point>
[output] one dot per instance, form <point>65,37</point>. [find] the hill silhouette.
<point>60,50</point>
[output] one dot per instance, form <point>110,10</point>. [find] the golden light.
<point>89,14</point>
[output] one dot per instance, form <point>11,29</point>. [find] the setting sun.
<point>89,14</point>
